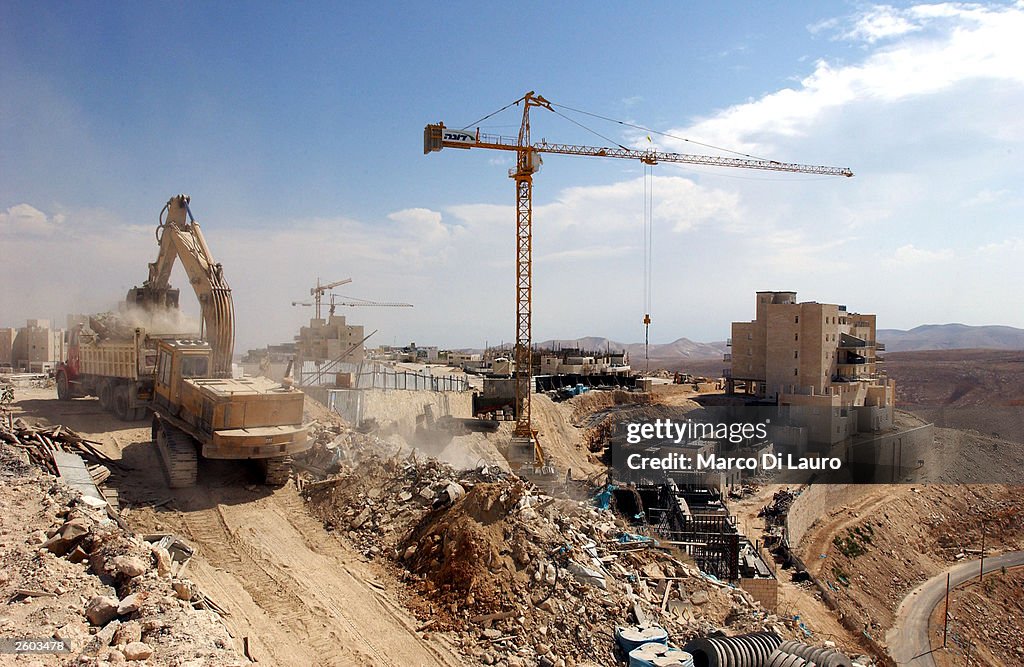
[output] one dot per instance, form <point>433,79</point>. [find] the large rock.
<point>138,651</point>
<point>129,566</point>
<point>101,609</point>
<point>130,604</point>
<point>106,634</point>
<point>163,561</point>
<point>184,589</point>
<point>68,536</point>
<point>128,633</point>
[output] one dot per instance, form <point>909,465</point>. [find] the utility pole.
<point>945,617</point>
<point>981,572</point>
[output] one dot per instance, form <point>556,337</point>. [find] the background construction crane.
<point>436,136</point>
<point>353,303</point>
<point>317,292</point>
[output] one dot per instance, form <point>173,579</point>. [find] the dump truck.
<point>117,367</point>
<point>198,408</point>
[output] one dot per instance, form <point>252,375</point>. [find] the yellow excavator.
<point>198,407</point>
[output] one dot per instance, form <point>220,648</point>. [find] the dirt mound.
<point>462,551</point>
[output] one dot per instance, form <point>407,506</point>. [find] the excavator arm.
<point>180,237</point>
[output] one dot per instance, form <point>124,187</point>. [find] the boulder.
<point>129,566</point>
<point>128,633</point>
<point>101,609</point>
<point>138,651</point>
<point>130,604</point>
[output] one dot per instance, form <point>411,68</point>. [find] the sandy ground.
<point>298,593</point>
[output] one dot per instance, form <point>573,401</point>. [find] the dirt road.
<point>908,640</point>
<point>298,593</point>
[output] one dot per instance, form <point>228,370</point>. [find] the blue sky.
<point>298,132</point>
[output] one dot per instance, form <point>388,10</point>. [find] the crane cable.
<point>658,132</point>
<point>648,251</point>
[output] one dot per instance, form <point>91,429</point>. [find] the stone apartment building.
<point>330,339</point>
<point>818,358</point>
<point>35,347</point>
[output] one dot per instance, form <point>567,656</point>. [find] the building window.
<point>796,354</point>
<point>796,336</point>
<point>796,371</point>
<point>796,320</point>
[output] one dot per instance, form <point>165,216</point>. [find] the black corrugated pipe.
<point>751,650</point>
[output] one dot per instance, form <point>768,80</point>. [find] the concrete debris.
<point>84,570</point>
<point>514,575</point>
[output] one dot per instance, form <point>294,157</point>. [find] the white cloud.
<point>973,43</point>
<point>910,255</point>
<point>927,115</point>
<point>25,219</point>
<point>987,196</point>
<point>878,22</point>
<point>679,204</point>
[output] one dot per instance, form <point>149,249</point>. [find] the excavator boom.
<point>180,237</point>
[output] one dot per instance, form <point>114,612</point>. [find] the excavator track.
<point>177,456</point>
<point>277,470</point>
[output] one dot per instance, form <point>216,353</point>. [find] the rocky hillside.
<point>952,337</point>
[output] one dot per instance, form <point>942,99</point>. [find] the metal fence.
<point>375,375</point>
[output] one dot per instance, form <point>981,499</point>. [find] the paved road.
<point>908,640</point>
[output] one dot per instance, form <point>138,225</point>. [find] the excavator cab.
<point>176,361</point>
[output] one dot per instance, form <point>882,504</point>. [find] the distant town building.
<point>816,356</point>
<point>36,347</point>
<point>7,347</point>
<point>577,362</point>
<point>330,340</point>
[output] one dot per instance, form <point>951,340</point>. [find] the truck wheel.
<point>121,407</point>
<point>63,386</point>
<point>105,393</point>
<point>277,470</point>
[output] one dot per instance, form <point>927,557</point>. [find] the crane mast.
<point>436,137</point>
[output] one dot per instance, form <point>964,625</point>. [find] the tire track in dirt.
<point>278,603</point>
<point>294,512</point>
<point>276,579</point>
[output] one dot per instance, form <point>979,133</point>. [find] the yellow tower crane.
<point>436,136</point>
<point>318,291</point>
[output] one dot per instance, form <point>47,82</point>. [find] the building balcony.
<point>727,372</point>
<point>728,342</point>
<point>852,373</point>
<point>727,357</point>
<point>880,347</point>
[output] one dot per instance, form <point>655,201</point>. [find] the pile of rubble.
<point>516,576</point>
<point>43,443</point>
<point>92,592</point>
